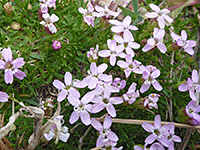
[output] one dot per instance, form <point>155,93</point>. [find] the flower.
<point>47,4</point>
<point>150,73</point>
<point>131,94</point>
<point>158,35</point>
<point>11,66</point>
<point>48,23</point>
<point>3,97</point>
<point>192,110</point>
<point>151,101</point>
<point>122,26</point>
<point>130,65</point>
<point>183,42</point>
<point>63,134</point>
<point>56,45</point>
<point>88,14</point>
<point>192,85</point>
<point>92,54</point>
<point>157,132</point>
<point>105,133</point>
<point>81,108</point>
<point>105,101</point>
<point>157,146</point>
<point>113,51</point>
<point>127,42</point>
<point>67,89</point>
<point>160,15</point>
<point>118,83</point>
<point>104,12</point>
<point>95,74</point>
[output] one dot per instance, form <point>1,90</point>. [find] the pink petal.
<point>189,50</point>
<point>111,44</point>
<point>112,136</point>
<point>129,59</point>
<point>155,73</point>
<point>2,64</point>
<point>100,141</point>
<point>122,64</point>
<point>111,110</point>
<point>54,18</point>
<point>68,78</point>
<point>195,76</point>
<point>97,107</point>
<point>128,36</point>
<point>107,122</point>
<point>96,124</point>
<point>175,36</point>
<point>18,63</point>
<point>151,15</point>
<point>93,68</point>
<point>104,53</point>
<point>119,39</point>
<point>85,117</point>
<point>93,82</point>
<point>132,27</point>
<point>74,117</point>
<point>157,122</point>
<point>101,68</point>
<point>130,51</point>
<point>116,100</point>
<point>3,97</point>
<point>154,7</point>
<point>192,95</point>
<point>8,77</point>
<point>169,19</point>
<point>157,146</point>
<point>184,35</point>
<point>161,47</point>
<point>134,45</point>
<point>73,100</point>
<point>88,97</point>
<point>127,21</point>
<point>117,29</point>
<point>7,54</point>
<point>64,136</point>
<point>127,72</point>
<point>183,87</point>
<point>144,87</point>
<point>191,43</point>
<point>150,139</point>
<point>19,74</point>
<point>147,48</point>
<point>157,85</point>
<point>115,22</point>
<point>112,60</point>
<point>58,84</point>
<point>74,92</point>
<point>161,22</point>
<point>148,127</point>
<point>61,96</point>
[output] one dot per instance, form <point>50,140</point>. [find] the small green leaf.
<point>34,55</point>
<point>135,6</point>
<point>128,12</point>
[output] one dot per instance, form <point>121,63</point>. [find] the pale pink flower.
<point>192,85</point>
<point>47,4</point>
<point>182,41</point>
<point>93,53</point>
<point>131,94</point>
<point>156,41</point>
<point>105,133</point>
<point>49,22</point>
<point>127,42</point>
<point>151,101</point>
<point>192,110</point>
<point>130,65</point>
<point>122,26</point>
<point>150,73</point>
<point>113,52</point>
<point>81,108</point>
<point>88,14</point>
<point>101,12</point>
<point>105,101</point>
<point>56,45</point>
<point>118,83</point>
<point>11,66</point>
<point>67,88</point>
<point>160,15</point>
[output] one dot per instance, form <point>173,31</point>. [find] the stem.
<point>14,99</point>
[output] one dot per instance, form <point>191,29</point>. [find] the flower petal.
<point>58,84</point>
<point>111,110</point>
<point>19,74</point>
<point>161,47</point>
<point>107,122</point>
<point>151,15</point>
<point>68,78</point>
<point>8,77</point>
<point>74,117</point>
<point>7,54</point>
<point>154,7</point>
<point>62,95</point>
<point>85,117</point>
<point>96,124</point>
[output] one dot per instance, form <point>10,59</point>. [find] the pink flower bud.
<point>56,45</point>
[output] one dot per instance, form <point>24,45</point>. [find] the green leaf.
<point>34,55</point>
<point>31,88</point>
<point>128,12</point>
<point>135,6</point>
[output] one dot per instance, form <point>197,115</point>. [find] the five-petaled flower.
<point>156,41</point>
<point>11,66</point>
<point>182,41</point>
<point>105,133</point>
<point>49,22</point>
<point>160,15</point>
<point>192,85</point>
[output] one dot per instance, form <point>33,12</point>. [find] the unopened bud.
<point>15,26</point>
<point>8,8</point>
<point>56,45</point>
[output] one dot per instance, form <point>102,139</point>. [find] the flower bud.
<point>56,45</point>
<point>15,26</point>
<point>8,8</point>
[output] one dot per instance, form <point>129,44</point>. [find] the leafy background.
<point>43,65</point>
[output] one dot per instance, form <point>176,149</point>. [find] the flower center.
<point>106,101</point>
<point>190,110</point>
<point>157,132</point>
<point>9,66</point>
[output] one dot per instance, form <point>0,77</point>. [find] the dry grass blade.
<point>7,143</point>
<point>139,122</point>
